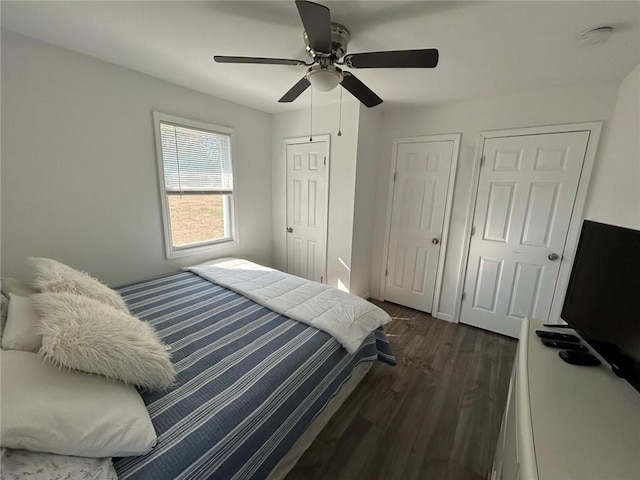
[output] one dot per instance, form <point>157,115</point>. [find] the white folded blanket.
<point>347,318</point>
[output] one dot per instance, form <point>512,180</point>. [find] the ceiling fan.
<point>326,43</point>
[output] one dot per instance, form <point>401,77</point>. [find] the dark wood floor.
<point>436,415</point>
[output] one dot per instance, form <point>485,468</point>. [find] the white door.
<point>306,209</point>
<point>526,194</point>
<point>417,218</point>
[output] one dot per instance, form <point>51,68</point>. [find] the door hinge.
<point>386,272</point>
<point>464,294</point>
<point>482,160</point>
<point>325,160</point>
<point>473,230</point>
<point>395,175</point>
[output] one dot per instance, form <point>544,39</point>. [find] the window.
<point>196,184</point>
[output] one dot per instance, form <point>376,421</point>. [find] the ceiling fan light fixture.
<point>324,78</point>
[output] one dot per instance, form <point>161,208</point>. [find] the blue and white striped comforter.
<point>250,381</point>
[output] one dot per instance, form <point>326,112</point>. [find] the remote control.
<point>579,358</point>
<point>564,337</point>
<point>564,345</point>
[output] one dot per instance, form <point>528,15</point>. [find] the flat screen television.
<point>603,297</point>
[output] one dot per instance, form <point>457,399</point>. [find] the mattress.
<point>250,381</point>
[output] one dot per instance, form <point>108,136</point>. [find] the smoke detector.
<point>596,36</point>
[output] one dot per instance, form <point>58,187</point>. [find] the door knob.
<point>435,240</point>
<point>553,257</point>
<point>289,230</point>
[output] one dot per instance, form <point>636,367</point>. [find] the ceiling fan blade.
<point>360,90</point>
<point>317,23</point>
<point>295,91</point>
<point>261,60</point>
<point>426,58</point>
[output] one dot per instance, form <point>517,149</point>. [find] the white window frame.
<point>209,245</point>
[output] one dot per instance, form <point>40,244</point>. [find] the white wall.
<point>614,193</point>
<point>369,126</point>
<point>342,178</point>
<point>79,169</point>
<point>548,107</point>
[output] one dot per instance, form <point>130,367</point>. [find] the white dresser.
<point>565,421</point>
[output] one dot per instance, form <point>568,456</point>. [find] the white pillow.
<point>20,330</point>
<point>52,276</point>
<point>45,409</point>
<point>4,308</point>
<point>87,335</point>
<point>11,285</point>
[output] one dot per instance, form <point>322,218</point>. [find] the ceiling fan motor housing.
<point>340,37</point>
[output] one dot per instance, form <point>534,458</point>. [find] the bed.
<point>253,386</point>
<point>253,389</point>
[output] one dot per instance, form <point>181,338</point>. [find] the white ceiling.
<point>486,48</point>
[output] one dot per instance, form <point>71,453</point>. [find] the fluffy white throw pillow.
<point>87,335</point>
<point>45,409</point>
<point>20,330</point>
<point>53,276</point>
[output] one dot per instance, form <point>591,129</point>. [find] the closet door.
<point>306,209</point>
<point>421,183</point>
<point>526,193</point>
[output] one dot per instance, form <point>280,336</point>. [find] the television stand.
<point>566,421</point>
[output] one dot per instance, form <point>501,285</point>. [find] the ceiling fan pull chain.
<point>311,117</point>
<point>340,115</point>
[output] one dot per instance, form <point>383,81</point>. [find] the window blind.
<point>195,161</point>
